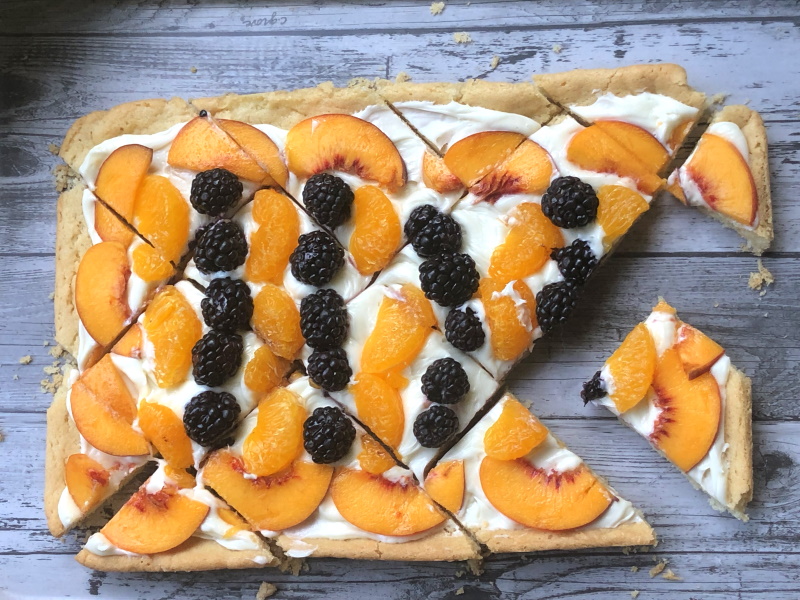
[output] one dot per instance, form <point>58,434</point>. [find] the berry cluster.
<point>324,324</point>
<point>445,382</point>
<point>328,434</point>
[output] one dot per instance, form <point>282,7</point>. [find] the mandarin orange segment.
<point>276,320</point>
<point>618,209</point>
<point>698,352</point>
<point>265,371</point>
<point>260,147</point>
<point>527,170</point>
<point>376,230</point>
<point>632,366</point>
<point>515,433</point>
<point>373,457</point>
<point>445,484</point>
<point>404,322</point>
<point>639,142</point>
<point>130,344</point>
<point>436,175</point>
<point>511,316</point>
<point>379,407</point>
<point>277,439</point>
<point>164,429</point>
<point>87,481</point>
<point>475,156</point>
<point>272,243</point>
<point>172,327</point>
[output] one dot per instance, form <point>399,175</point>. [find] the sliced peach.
<point>445,484</point>
<point>594,150</point>
<point>436,175</point>
<point>261,148</point>
<point>511,317</point>
<point>272,243</point>
<point>679,133</point>
<point>550,500</point>
<point>724,179</point>
<point>101,291</point>
<point>632,366</point>
<point>152,523</point>
<point>172,327</point>
<point>382,506</point>
<point>117,182</point>
<point>618,209</point>
<point>698,352</point>
<point>236,522</point>
<point>676,190</point>
<point>265,371</point>
<point>639,142</point>
<point>180,477</point>
<point>130,344</point>
<point>689,412</point>
<point>475,156</point>
<point>165,430</point>
<point>201,145</point>
<point>373,457</point>
<point>276,320</point>
<point>527,170</point>
<point>376,230</point>
<point>269,503</point>
<point>87,481</point>
<point>344,143</point>
<point>405,320</point>
<point>515,433</point>
<point>277,439</point>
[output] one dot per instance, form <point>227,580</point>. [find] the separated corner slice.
<point>527,492</point>
<point>727,175</point>
<point>677,387</point>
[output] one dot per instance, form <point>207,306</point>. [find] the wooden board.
<point>62,61</point>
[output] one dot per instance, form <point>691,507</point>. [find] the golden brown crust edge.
<point>739,437</point>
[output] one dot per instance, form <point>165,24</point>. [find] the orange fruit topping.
<point>618,210</point>
<point>632,366</point>
<point>276,320</point>
<point>277,439</point>
<point>272,243</point>
<point>377,231</point>
<point>515,433</point>
<point>511,320</point>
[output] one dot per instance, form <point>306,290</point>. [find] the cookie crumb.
<point>54,148</point>
<point>193,69</point>
<point>557,48</point>
<point>51,295</point>
<point>460,573</point>
<point>63,177</point>
<point>495,62</point>
<point>26,360</point>
<point>265,590</point>
<point>716,304</point>
<point>669,575</point>
<point>57,351</point>
<point>475,566</point>
<point>760,279</point>
<point>718,98</point>
<point>402,77</point>
<point>460,591</point>
<point>634,569</point>
<point>658,568</point>
<point>16,377</point>
<point>462,37</point>
<point>635,594</point>
<point>437,8</point>
<point>292,565</point>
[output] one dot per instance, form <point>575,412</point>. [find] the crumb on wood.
<point>57,351</point>
<point>495,62</point>
<point>557,48</point>
<point>51,295</point>
<point>634,569</point>
<point>63,177</point>
<point>462,37</point>
<point>26,360</point>
<point>669,575</point>
<point>658,568</point>
<point>193,69</point>
<point>265,590</point>
<point>635,594</point>
<point>759,280</point>
<point>718,98</point>
<point>292,565</point>
<point>460,573</point>
<point>716,304</point>
<point>437,8</point>
<point>53,148</point>
<point>402,77</point>
<point>16,377</point>
<point>460,591</point>
<point>475,566</point>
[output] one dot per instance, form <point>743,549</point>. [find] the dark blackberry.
<point>593,389</point>
<point>228,305</point>
<point>215,192</point>
<point>445,381</point>
<point>464,330</point>
<point>418,218</point>
<point>221,246</point>
<point>437,234</point>
<point>329,369</point>
<point>569,202</point>
<point>576,262</point>
<point>435,426</point>
<point>323,319</point>
<point>216,357</point>
<point>328,198</point>
<point>328,435</point>
<point>210,417</point>
<point>317,258</point>
<point>449,279</point>
<point>554,303</point>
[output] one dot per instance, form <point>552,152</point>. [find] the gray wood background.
<point>60,60</point>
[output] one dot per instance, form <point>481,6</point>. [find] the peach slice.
<point>404,322</point>
<point>172,327</point>
<point>594,150</point>
<point>117,182</point>
<point>515,433</point>
<point>261,148</point>
<point>632,366</point>
<point>201,145</point>
<point>381,506</point>
<point>373,457</point>
<point>165,430</point>
<point>376,230</point>
<point>550,500</point>
<point>277,439</point>
<point>152,523</point>
<point>475,156</point>
<point>87,481</point>
<point>690,412</point>
<point>698,352</point>
<point>618,210</point>
<point>103,410</point>
<point>265,371</point>
<point>511,316</point>
<point>130,344</point>
<point>637,141</point>
<point>527,171</point>
<point>236,522</point>
<point>344,143</point>
<point>276,320</point>
<point>679,133</point>
<point>101,291</point>
<point>269,503</point>
<point>380,407</point>
<point>445,484</point>
<point>436,175</point>
<point>180,477</point>
<point>272,243</point>
<point>724,179</point>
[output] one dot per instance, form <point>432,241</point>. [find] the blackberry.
<point>569,202</point>
<point>221,246</point>
<point>323,320</point>
<point>214,192</point>
<point>593,389</point>
<point>328,198</point>
<point>328,435</point>
<point>216,357</point>
<point>432,232</point>
<point>445,381</point>
<point>449,279</point>
<point>576,262</point>
<point>210,417</point>
<point>329,369</point>
<point>228,305</point>
<point>554,303</point>
<point>317,258</point>
<point>464,330</point>
<point>435,426</point>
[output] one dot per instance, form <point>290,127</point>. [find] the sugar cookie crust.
<point>739,437</point>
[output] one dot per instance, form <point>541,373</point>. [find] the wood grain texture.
<point>60,61</point>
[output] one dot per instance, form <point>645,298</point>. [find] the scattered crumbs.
<point>718,98</point>
<point>557,48</point>
<point>658,568</point>
<point>766,314</point>
<point>462,37</point>
<point>51,295</point>
<point>45,343</point>
<point>460,573</point>
<point>402,77</point>
<point>635,594</point>
<point>57,351</point>
<point>437,8</point>
<point>53,148</point>
<point>460,591</point>
<point>292,565</point>
<point>716,304</point>
<point>760,279</point>
<point>26,360</point>
<point>634,569</point>
<point>475,566</point>
<point>62,176</point>
<point>265,591</point>
<point>16,377</point>
<point>669,575</point>
<point>194,70</point>
<point>495,62</point>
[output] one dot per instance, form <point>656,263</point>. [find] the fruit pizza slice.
<point>527,492</point>
<point>676,386</point>
<point>300,472</point>
<point>727,175</point>
<point>173,523</point>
